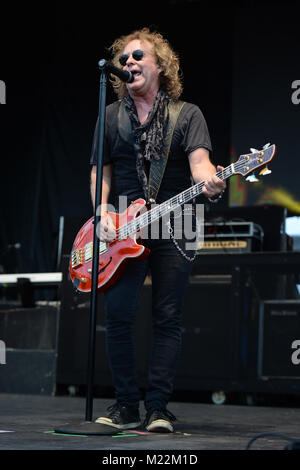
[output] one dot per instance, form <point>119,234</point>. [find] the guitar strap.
<point>157,167</point>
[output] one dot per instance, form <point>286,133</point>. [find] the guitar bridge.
<point>77,257</point>
<point>84,255</point>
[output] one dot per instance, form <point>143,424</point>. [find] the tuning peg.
<point>252,179</point>
<point>265,171</point>
<point>266,146</point>
<point>254,150</point>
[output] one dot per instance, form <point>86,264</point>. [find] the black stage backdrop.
<point>49,65</point>
<point>266,100</point>
<point>49,56</point>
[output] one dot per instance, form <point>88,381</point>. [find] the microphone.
<point>123,75</point>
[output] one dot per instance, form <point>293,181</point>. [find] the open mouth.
<point>135,73</point>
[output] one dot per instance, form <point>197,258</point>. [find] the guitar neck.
<point>170,205</point>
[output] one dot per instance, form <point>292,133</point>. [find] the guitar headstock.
<point>250,162</point>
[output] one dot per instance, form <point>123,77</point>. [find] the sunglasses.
<point>136,55</point>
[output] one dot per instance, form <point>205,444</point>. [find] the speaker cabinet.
<point>279,339</point>
<point>209,346</point>
<point>210,343</point>
<point>30,338</point>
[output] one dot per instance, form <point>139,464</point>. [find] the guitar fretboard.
<point>168,206</point>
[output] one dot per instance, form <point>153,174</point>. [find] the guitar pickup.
<point>102,247</point>
<point>88,250</point>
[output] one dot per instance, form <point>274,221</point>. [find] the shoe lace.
<point>160,413</point>
<point>114,410</point>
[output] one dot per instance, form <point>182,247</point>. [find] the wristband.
<point>216,198</point>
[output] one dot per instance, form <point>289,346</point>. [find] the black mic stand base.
<point>86,428</point>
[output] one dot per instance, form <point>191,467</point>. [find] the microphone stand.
<point>87,427</point>
<point>95,266</point>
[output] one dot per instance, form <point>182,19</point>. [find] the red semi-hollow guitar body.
<point>113,258</point>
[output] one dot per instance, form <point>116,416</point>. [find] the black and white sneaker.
<point>159,420</point>
<point>120,417</point>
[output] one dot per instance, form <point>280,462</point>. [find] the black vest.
<point>157,167</point>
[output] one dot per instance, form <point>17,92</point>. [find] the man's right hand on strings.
<point>107,232</point>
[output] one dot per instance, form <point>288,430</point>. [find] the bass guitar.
<point>115,256</point>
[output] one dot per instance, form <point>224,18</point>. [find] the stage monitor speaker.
<point>279,339</point>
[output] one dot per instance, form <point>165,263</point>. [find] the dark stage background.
<point>233,69</point>
<point>266,100</point>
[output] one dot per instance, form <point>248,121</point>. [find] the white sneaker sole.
<point>109,422</point>
<point>160,425</point>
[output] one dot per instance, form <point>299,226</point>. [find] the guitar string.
<point>167,206</point>
<point>175,202</point>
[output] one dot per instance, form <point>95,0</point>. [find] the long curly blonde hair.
<point>167,59</point>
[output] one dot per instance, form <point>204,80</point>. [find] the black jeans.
<point>170,273</point>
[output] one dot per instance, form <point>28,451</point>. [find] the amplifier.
<point>30,339</point>
<point>240,237</point>
<point>279,339</point>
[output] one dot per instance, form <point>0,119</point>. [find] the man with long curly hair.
<point>135,138</point>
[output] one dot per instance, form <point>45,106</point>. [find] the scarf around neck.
<point>149,136</point>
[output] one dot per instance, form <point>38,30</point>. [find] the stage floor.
<point>33,419</point>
